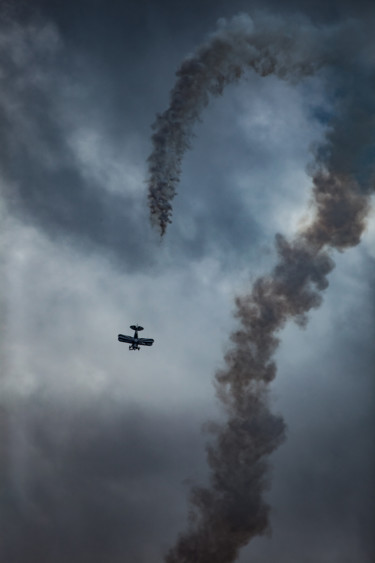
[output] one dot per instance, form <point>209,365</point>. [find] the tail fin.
<point>136,327</point>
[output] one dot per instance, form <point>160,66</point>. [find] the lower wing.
<point>124,338</point>
<point>146,341</point>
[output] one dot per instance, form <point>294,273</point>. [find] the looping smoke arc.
<point>231,510</point>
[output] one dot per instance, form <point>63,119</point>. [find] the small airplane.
<point>134,341</point>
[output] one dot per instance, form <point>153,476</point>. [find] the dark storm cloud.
<point>42,180</point>
<point>102,481</point>
<point>90,483</point>
<point>115,49</point>
<point>45,85</point>
<point>96,485</point>
<point>134,14</point>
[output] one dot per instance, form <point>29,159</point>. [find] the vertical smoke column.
<point>231,510</point>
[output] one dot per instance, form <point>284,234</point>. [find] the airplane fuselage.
<point>134,346</point>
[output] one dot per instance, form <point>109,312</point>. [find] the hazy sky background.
<point>99,446</point>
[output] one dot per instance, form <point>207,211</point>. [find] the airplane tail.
<point>136,327</point>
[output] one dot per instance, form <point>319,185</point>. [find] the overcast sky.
<point>99,446</point>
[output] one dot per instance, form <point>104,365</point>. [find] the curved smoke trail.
<point>228,513</point>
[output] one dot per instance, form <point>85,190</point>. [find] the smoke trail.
<point>228,513</point>
<point>289,51</point>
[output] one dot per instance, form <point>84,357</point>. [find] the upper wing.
<point>124,338</point>
<point>146,341</point>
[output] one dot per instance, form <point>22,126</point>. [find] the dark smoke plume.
<point>290,51</point>
<point>231,510</point>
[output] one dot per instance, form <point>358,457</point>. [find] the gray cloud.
<point>89,475</point>
<point>42,181</point>
<point>90,483</point>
